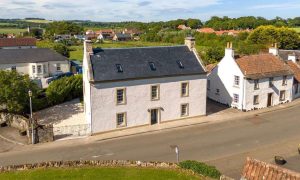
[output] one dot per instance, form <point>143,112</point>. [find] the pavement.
<point>10,139</point>
<point>224,139</point>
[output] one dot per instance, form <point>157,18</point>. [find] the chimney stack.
<point>88,47</point>
<point>292,57</point>
<point>229,50</point>
<point>274,49</point>
<point>190,43</point>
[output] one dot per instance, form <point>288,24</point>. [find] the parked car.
<point>58,76</point>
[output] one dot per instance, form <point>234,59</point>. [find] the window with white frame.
<point>120,96</point>
<point>256,84</point>
<point>282,95</point>
<point>58,67</point>
<point>184,109</point>
<point>121,119</point>
<point>235,98</point>
<point>33,69</point>
<point>155,92</point>
<point>256,100</point>
<point>237,81</point>
<point>184,89</point>
<point>284,80</point>
<point>39,69</point>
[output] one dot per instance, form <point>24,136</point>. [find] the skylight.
<point>180,64</point>
<point>152,66</point>
<point>119,68</point>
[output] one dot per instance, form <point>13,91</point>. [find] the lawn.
<point>297,29</point>
<point>12,30</point>
<point>99,173</point>
<point>77,51</point>
<point>38,21</point>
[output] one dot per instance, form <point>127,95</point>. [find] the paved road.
<point>225,144</point>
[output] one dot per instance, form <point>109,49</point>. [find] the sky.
<point>146,10</point>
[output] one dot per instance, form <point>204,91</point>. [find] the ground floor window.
<point>184,109</point>
<point>256,100</point>
<point>121,119</point>
<point>235,98</point>
<point>282,95</point>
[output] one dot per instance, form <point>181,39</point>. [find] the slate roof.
<point>123,36</point>
<point>285,53</point>
<point>11,42</point>
<point>135,63</point>
<point>263,66</point>
<point>255,169</point>
<point>32,55</point>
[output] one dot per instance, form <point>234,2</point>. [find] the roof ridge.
<point>148,47</point>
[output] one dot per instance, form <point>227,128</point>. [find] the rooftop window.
<point>152,66</point>
<point>180,64</point>
<point>119,68</point>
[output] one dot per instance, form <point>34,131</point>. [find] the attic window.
<point>180,64</point>
<point>119,68</point>
<point>152,66</point>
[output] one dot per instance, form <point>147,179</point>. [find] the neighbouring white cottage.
<point>38,63</point>
<point>250,82</point>
<point>292,58</point>
<point>133,87</point>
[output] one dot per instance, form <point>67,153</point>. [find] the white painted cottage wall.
<point>104,108</point>
<point>222,78</point>
<point>263,91</point>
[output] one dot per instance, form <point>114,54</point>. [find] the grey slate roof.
<point>33,55</point>
<point>135,63</point>
<point>285,53</point>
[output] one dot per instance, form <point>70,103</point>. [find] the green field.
<point>99,173</point>
<point>77,51</point>
<point>12,30</point>
<point>38,21</point>
<point>297,29</point>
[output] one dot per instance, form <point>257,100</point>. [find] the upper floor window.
<point>271,82</point>
<point>185,89</point>
<point>14,68</point>
<point>284,80</point>
<point>33,69</point>
<point>58,67</point>
<point>235,98</point>
<point>256,84</point>
<point>39,69</point>
<point>155,92</point>
<point>121,96</point>
<point>282,95</point>
<point>236,80</point>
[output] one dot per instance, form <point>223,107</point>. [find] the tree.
<point>63,27</point>
<point>194,23</point>
<point>14,91</point>
<point>62,49</point>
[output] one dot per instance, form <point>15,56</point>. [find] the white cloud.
<point>285,5</point>
<point>103,10</point>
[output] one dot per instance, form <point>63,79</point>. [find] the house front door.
<point>270,99</point>
<point>154,116</point>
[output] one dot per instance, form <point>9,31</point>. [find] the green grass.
<point>99,173</point>
<point>297,29</point>
<point>77,52</point>
<point>12,30</point>
<point>38,21</point>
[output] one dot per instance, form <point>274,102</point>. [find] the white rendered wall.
<point>296,95</point>
<point>64,66</point>
<point>104,108</point>
<point>222,78</point>
<point>264,90</point>
<point>22,68</point>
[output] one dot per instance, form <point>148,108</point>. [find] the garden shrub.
<point>65,89</point>
<point>201,168</point>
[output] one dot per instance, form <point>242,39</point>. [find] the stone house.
<point>36,62</point>
<point>17,43</point>
<point>250,82</point>
<point>122,37</point>
<point>132,87</point>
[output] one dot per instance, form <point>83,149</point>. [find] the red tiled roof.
<point>263,66</point>
<point>255,169</point>
<point>11,42</point>
<point>206,30</point>
<point>296,69</point>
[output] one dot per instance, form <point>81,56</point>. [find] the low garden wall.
<point>108,163</point>
<point>16,121</point>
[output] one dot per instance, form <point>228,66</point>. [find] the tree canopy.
<point>63,27</point>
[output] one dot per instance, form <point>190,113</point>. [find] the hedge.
<point>201,168</point>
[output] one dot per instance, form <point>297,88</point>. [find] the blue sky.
<point>146,10</point>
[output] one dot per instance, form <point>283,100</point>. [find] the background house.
<point>122,37</point>
<point>133,87</point>
<point>17,43</point>
<point>250,82</point>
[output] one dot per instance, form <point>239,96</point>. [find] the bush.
<point>201,168</point>
<point>65,89</point>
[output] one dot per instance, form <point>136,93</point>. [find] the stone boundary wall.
<point>91,163</point>
<point>16,121</point>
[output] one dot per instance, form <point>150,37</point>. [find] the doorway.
<point>154,116</point>
<point>270,99</point>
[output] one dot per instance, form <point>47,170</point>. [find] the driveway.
<point>10,139</point>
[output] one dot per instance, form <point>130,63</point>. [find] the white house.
<point>250,82</point>
<point>37,62</point>
<point>133,87</point>
<point>17,43</point>
<point>292,58</point>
